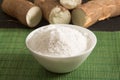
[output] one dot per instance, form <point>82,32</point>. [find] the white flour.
<point>59,41</point>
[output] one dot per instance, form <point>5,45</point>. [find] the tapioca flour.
<point>59,41</point>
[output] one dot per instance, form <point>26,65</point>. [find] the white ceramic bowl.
<point>63,64</point>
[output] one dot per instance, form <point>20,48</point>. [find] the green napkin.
<point>17,63</point>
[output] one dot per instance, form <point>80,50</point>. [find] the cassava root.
<point>70,4</point>
<point>95,10</point>
<point>26,12</point>
<point>53,12</point>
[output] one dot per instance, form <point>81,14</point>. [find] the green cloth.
<point>17,63</point>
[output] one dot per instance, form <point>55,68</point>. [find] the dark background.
<point>111,24</point>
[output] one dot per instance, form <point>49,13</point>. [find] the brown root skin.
<point>90,12</point>
<point>19,9</point>
<point>48,8</point>
<point>95,10</point>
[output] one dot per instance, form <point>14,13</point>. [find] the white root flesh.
<point>33,16</point>
<point>70,4</point>
<point>57,15</point>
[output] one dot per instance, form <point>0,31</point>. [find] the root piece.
<point>54,12</point>
<point>26,12</point>
<point>95,10</point>
<point>70,4</point>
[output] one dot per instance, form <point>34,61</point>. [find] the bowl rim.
<point>65,25</point>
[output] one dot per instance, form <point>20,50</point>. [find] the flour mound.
<point>59,41</point>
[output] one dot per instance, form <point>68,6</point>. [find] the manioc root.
<point>95,10</point>
<point>54,12</point>
<point>70,4</point>
<point>26,12</point>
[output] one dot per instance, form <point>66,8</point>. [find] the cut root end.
<point>70,4</point>
<point>33,16</point>
<point>80,18</point>
<point>59,16</point>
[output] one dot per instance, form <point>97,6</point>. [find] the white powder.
<point>59,41</point>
